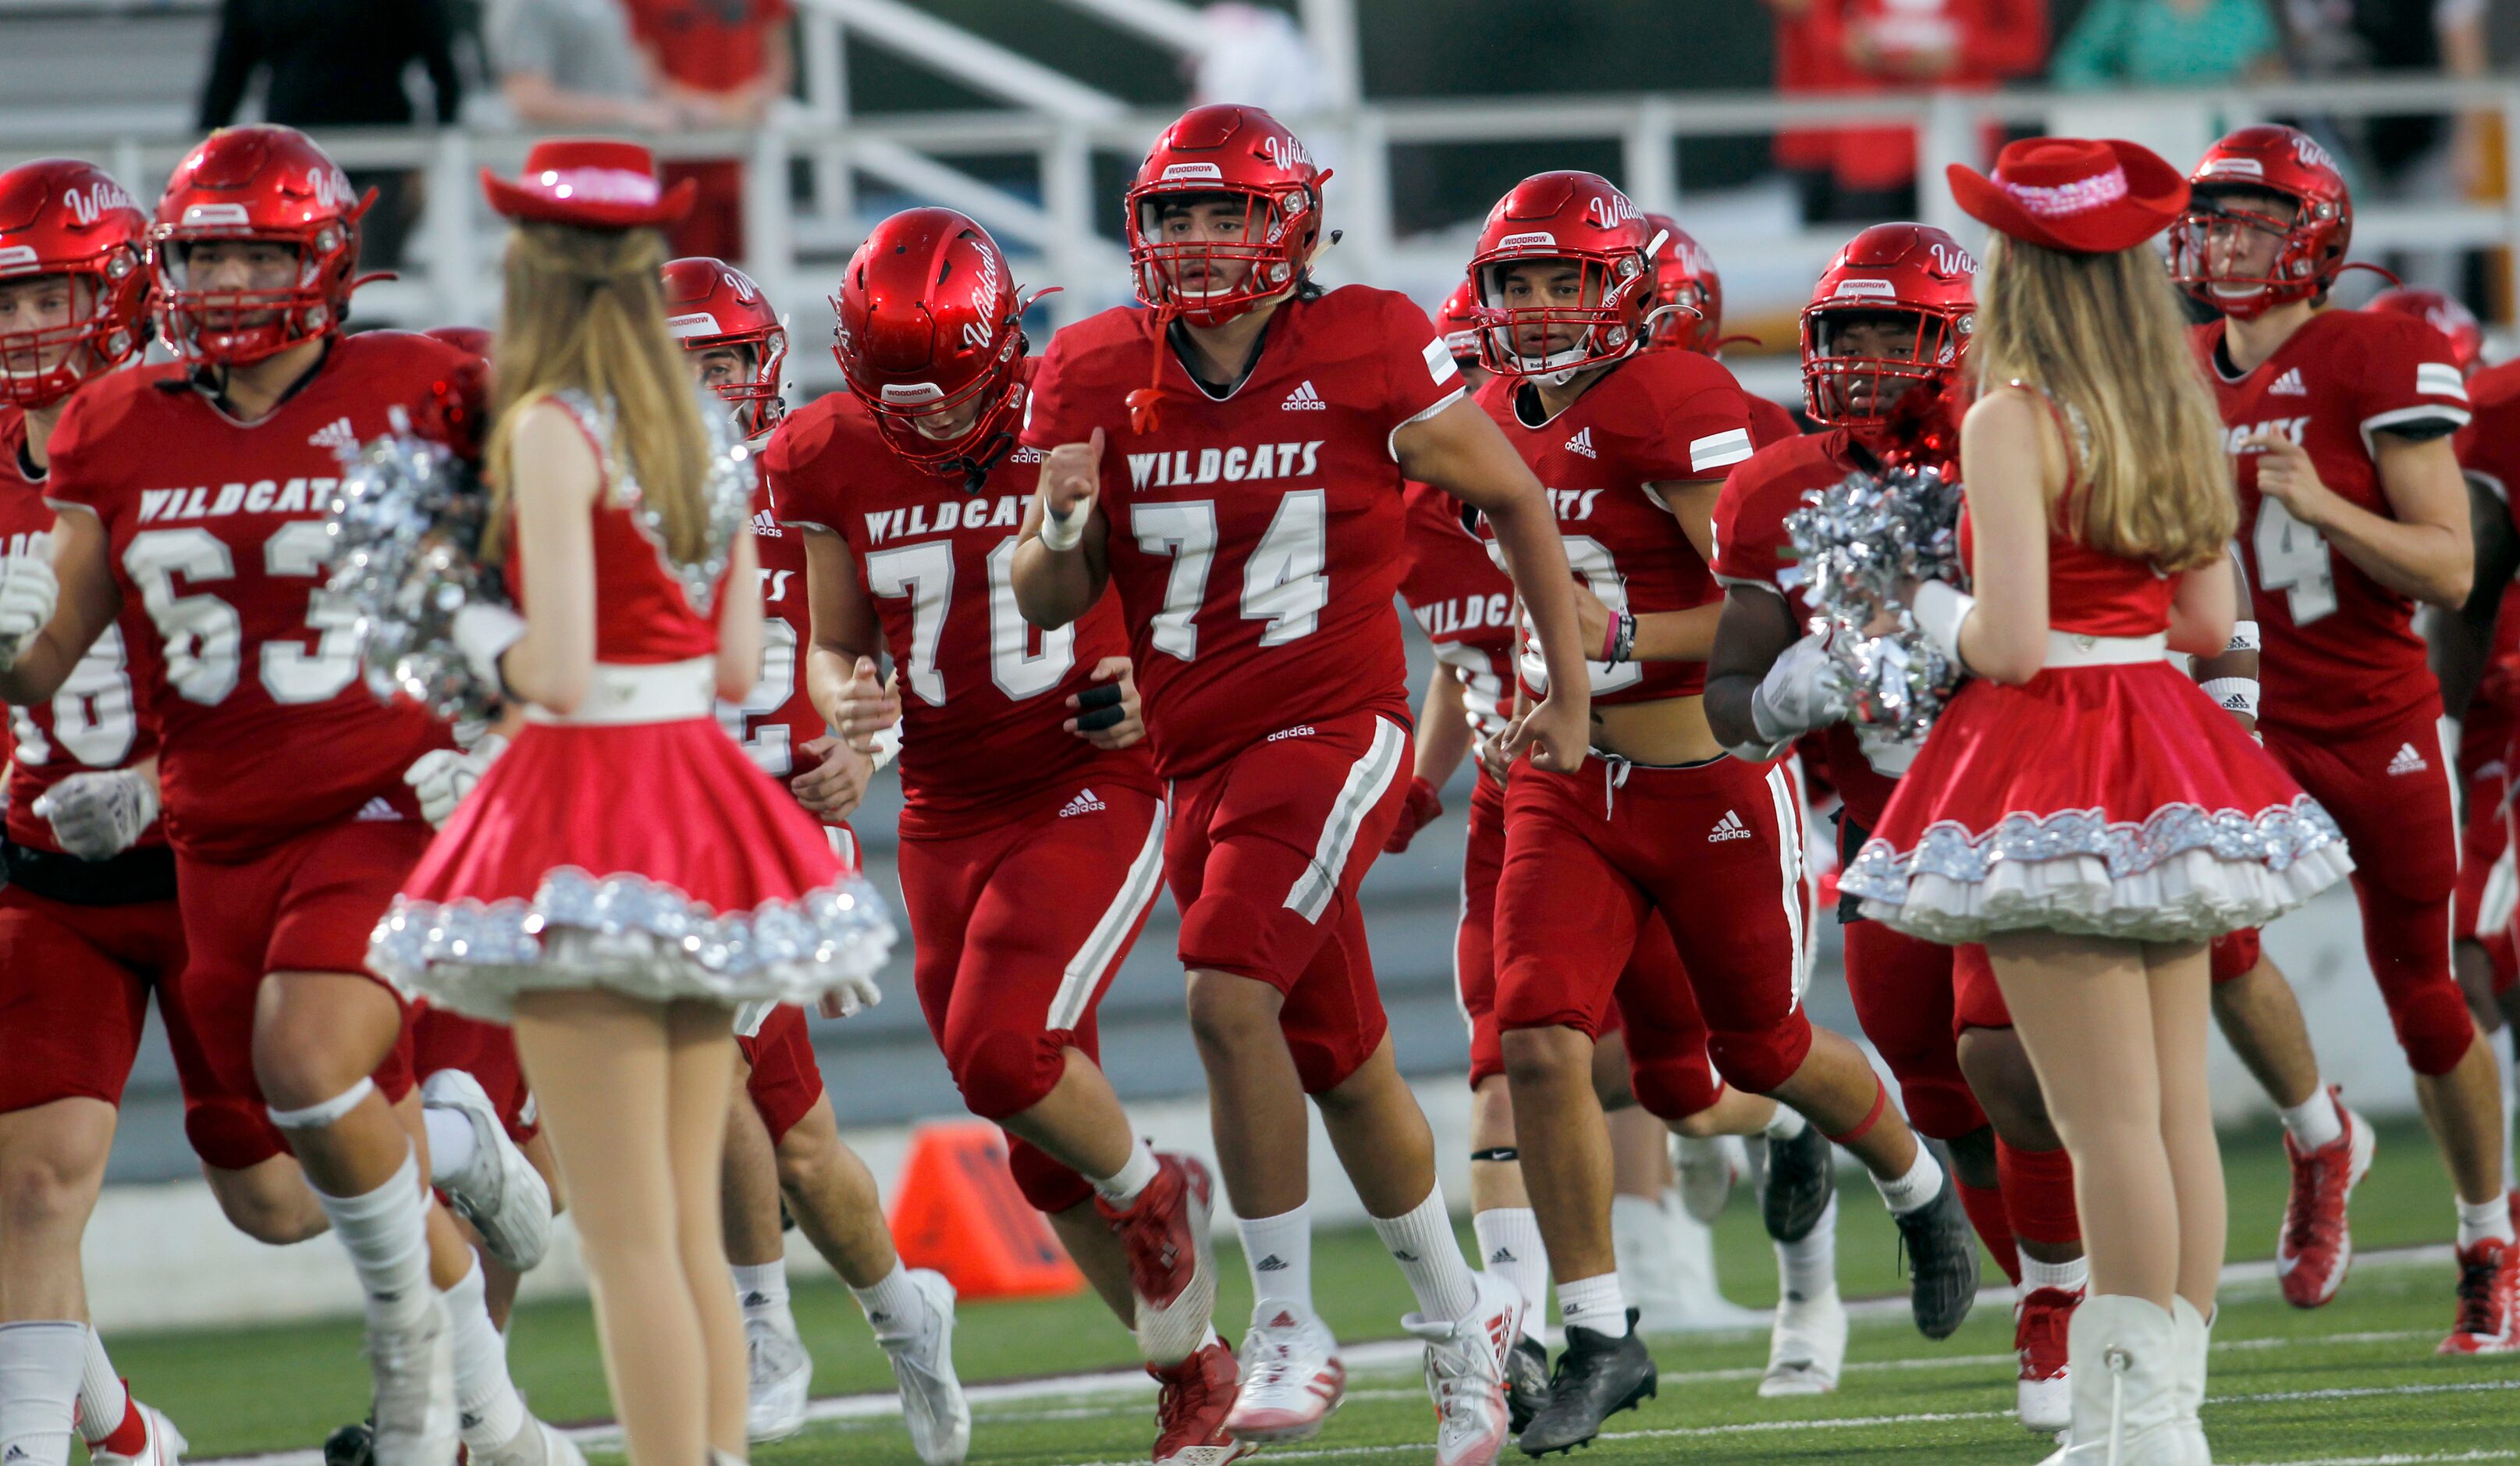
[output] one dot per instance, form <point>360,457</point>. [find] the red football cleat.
<point>1190,1410</point>
<point>2488,1300</point>
<point>2043,1398</point>
<point>1172,1263</point>
<point>2317,1246</point>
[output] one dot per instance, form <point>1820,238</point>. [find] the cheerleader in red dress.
<point>2082,807</point>
<point>624,876</point>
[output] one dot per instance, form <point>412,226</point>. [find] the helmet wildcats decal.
<point>92,203</point>
<point>2307,151</point>
<point>736,283</point>
<point>331,187</point>
<point>1284,151</point>
<point>1610,208</point>
<point>1951,260</point>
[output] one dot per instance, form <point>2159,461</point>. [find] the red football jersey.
<point>2489,446</point>
<point>1660,417</point>
<point>216,530</point>
<point>1752,548</point>
<point>95,721</point>
<point>1463,603</point>
<point>1769,422</point>
<point>2341,648</point>
<point>776,719</point>
<point>983,692</point>
<point>1256,540</point>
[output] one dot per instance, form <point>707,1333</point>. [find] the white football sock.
<point>2069,1278</point>
<point>2479,1220</point>
<point>895,1305</point>
<point>104,1404</point>
<point>1808,1269</point>
<point>1509,1247</point>
<point>1594,1304</point>
<point>386,1235</point>
<point>2313,1123</point>
<point>1278,1250</point>
<point>1786,1123</point>
<point>491,1410</point>
<point>1429,1254</point>
<point>40,1363</point>
<point>452,1145</point>
<point>1122,1186</point>
<point>1921,1185</point>
<point>762,1292</point>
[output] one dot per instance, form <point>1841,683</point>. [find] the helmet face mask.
<point>1223,215</point>
<point>2269,224</point>
<point>73,279</point>
<point>1566,278</point>
<point>1859,363</point>
<point>929,330</point>
<point>246,187</point>
<point>1887,330</point>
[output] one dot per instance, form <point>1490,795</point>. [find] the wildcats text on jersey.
<point>1462,614</point>
<point>1001,512</point>
<point>262,496</point>
<point>1234,465</point>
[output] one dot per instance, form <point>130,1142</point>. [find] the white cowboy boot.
<point>2191,1335</point>
<point>2124,1367</point>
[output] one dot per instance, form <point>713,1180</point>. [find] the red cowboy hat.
<point>593,183</point>
<point>2074,194</point>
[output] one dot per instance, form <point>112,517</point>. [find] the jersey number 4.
<point>1282,583</point>
<point>205,636</point>
<point>2292,557</point>
<point>923,576</point>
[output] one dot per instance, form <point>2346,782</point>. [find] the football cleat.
<point>1597,1377</point>
<point>414,1366</point>
<point>1466,1372</point>
<point>1708,1170</point>
<point>1802,1176</point>
<point>1172,1260</point>
<point>2316,1244</point>
<point>1942,1259</point>
<point>1291,1376</point>
<point>780,1375</point>
<point>923,1365</point>
<point>1192,1400</point>
<point>500,1193</point>
<point>1526,1382</point>
<point>353,1444</point>
<point>1806,1346</point>
<point>2043,1398</point>
<point>2488,1300</point>
<point>158,1442</point>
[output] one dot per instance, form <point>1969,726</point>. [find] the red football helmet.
<point>1459,320</point>
<point>473,338</point>
<point>2444,313</point>
<point>1243,153</point>
<point>710,304</point>
<point>2310,244</point>
<point>258,183</point>
<point>929,325</point>
<point>1889,270</point>
<point>1688,296</point>
<point>62,217</point>
<point>1584,219</point>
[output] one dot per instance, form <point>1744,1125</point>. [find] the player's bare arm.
<point>1754,628</point>
<point>88,602</point>
<point>2420,548</point>
<point>1059,573</point>
<point>554,483</point>
<point>1444,732</point>
<point>738,624</point>
<point>1463,453</point>
<point>2461,639</point>
<point>840,678</point>
<point>2230,674</point>
<point>2007,459</point>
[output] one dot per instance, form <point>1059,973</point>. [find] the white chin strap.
<point>1556,368</point>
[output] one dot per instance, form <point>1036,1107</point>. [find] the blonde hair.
<point>2103,333</point>
<point>585,309</point>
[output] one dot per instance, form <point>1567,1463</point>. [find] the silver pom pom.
<point>1861,543</point>
<point>406,521</point>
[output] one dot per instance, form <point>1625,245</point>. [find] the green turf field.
<point>2356,1380</point>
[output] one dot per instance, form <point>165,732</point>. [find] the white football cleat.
<point>1806,1346</point>
<point>923,1365</point>
<point>1708,1170</point>
<point>780,1376</point>
<point>415,1403</point>
<point>1291,1376</point>
<point>1466,1372</point>
<point>500,1193</point>
<point>162,1445</point>
<point>536,1444</point>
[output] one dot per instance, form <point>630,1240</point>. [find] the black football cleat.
<point>353,1444</point>
<point>1526,1382</point>
<point>1942,1259</point>
<point>1802,1176</point>
<point>1597,1377</point>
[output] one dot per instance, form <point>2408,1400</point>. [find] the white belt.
<point>2073,649</point>
<point>660,692</point>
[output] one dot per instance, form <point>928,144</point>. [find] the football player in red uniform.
<point>2445,313</point>
<point>88,925</point>
<point>1689,317</point>
<point>1020,771</point>
<point>1270,655</point>
<point>1634,447</point>
<point>782,1137</point>
<point>281,774</point>
<point>2353,510</point>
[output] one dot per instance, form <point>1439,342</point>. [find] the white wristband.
<point>482,632</point>
<point>2238,695</point>
<point>1061,533</point>
<point>887,745</point>
<point>2245,637</point>
<point>1941,608</point>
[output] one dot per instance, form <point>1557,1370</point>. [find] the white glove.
<point>1888,756</point>
<point>1797,695</point>
<point>98,816</point>
<point>852,997</point>
<point>442,777</point>
<point>29,592</point>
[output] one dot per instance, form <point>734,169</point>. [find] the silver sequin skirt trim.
<point>631,934</point>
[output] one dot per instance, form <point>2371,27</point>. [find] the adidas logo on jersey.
<point>1729,827</point>
<point>1084,803</point>
<point>1582,442</point>
<point>763,524</point>
<point>2406,760</point>
<point>338,436</point>
<point>376,810</point>
<point>2288,385</point>
<point>1304,399</point>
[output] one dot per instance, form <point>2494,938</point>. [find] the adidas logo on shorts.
<point>1582,442</point>
<point>1729,827</point>
<point>1084,803</point>
<point>2288,385</point>
<point>1304,399</point>
<point>2408,761</point>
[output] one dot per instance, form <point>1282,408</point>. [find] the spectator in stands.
<point>572,64</point>
<point>336,64</point>
<point>723,61</point>
<point>2169,43</point>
